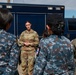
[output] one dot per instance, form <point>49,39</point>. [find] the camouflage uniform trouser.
<point>27,61</point>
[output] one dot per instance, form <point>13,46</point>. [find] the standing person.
<point>56,53</point>
<point>74,44</point>
<point>45,34</point>
<point>9,50</point>
<point>28,41</point>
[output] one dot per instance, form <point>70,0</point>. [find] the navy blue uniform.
<point>9,53</point>
<point>55,57</point>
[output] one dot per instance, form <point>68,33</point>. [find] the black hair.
<point>5,18</point>
<point>45,33</point>
<point>28,21</point>
<point>56,22</point>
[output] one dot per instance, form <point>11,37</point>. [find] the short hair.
<point>5,18</point>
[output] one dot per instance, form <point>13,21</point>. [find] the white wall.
<point>5,1</point>
<point>69,4</point>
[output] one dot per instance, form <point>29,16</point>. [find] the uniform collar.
<point>29,31</point>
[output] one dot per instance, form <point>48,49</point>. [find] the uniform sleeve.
<point>36,40</point>
<point>40,62</point>
<point>20,40</point>
<point>70,61</point>
<point>74,44</point>
<point>13,60</point>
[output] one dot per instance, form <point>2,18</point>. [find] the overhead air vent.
<point>58,8</point>
<point>8,6</point>
<point>50,8</point>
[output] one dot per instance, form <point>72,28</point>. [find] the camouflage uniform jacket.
<point>28,36</point>
<point>55,57</point>
<point>74,44</point>
<point>9,53</point>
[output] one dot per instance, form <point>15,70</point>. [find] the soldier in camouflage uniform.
<point>28,41</point>
<point>74,44</point>
<point>56,53</point>
<point>9,50</point>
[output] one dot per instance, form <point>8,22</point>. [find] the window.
<point>72,25</point>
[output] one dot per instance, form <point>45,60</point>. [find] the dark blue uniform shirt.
<point>55,57</point>
<point>9,53</point>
